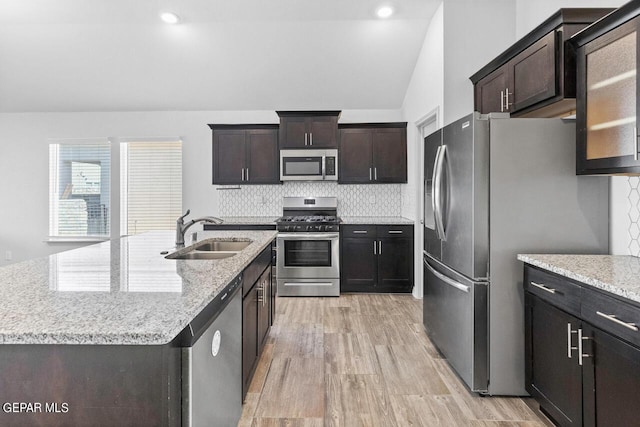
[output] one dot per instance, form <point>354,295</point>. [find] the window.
<point>79,188</point>
<point>150,185</point>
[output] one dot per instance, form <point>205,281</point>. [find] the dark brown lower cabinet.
<point>553,378</point>
<point>256,308</point>
<point>376,258</point>
<point>249,337</point>
<point>611,375</point>
<point>582,352</point>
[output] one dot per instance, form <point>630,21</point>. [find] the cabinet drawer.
<point>355,231</point>
<point>390,231</point>
<point>254,270</point>
<point>554,289</point>
<point>617,317</point>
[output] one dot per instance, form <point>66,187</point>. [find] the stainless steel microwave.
<point>309,165</point>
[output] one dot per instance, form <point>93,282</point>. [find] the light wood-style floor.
<point>364,360</point>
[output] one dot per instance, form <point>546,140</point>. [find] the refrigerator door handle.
<point>437,188</point>
<point>434,194</point>
<point>446,279</point>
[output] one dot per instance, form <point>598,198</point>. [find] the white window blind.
<point>79,188</point>
<point>150,185</point>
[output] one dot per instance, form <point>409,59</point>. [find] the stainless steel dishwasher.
<point>212,363</point>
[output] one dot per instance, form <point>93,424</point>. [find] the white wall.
<point>424,96</point>
<point>529,14</point>
<point>475,32</point>
<point>24,162</point>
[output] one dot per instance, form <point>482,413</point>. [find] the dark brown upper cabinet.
<point>535,77</point>
<point>373,153</point>
<point>245,154</point>
<point>308,129</point>
<point>607,103</point>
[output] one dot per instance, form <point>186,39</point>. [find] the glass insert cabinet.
<point>607,96</point>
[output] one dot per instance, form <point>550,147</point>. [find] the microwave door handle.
<point>324,167</point>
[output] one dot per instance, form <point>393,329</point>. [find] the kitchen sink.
<point>220,245</point>
<point>202,255</point>
<point>213,249</point>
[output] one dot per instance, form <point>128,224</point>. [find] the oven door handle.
<point>306,236</point>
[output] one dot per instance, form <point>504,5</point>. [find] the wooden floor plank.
<point>294,389</point>
<point>358,400</point>
<point>349,354</point>
<point>365,360</point>
<point>407,369</point>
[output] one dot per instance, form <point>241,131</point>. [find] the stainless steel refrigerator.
<point>495,187</point>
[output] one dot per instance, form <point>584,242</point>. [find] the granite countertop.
<point>377,220</point>
<point>616,274</point>
<point>118,292</point>
<point>249,220</point>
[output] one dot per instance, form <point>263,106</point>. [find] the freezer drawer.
<point>455,318</point>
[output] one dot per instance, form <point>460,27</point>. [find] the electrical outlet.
<point>8,255</point>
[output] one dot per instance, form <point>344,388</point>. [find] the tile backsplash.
<point>353,200</point>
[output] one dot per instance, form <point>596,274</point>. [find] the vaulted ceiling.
<point>116,55</point>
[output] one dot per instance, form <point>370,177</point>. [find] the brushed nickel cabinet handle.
<point>580,354</point>
<point>305,138</point>
<point>379,247</point>
<point>370,176</point>
<point>242,174</point>
<point>310,138</point>
<point>395,231</point>
<point>360,231</point>
<point>375,173</point>
<point>543,287</point>
<point>374,247</point>
<point>247,174</point>
<point>501,101</point>
<point>506,101</point>
<point>570,348</point>
<point>613,318</point>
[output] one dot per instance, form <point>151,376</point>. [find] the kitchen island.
<point>93,336</point>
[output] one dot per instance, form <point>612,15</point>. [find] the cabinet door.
<point>323,131</point>
<point>607,102</point>
<point>229,156</point>
<point>249,337</point>
<point>355,156</point>
<point>395,265</point>
<point>551,376</point>
<point>533,73</point>
<point>293,132</point>
<point>262,157</point>
<point>389,155</point>
<point>489,92</point>
<point>264,304</point>
<point>358,265</point>
<point>611,380</point>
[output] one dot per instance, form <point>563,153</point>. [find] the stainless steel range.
<point>309,247</point>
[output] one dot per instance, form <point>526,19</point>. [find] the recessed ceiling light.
<point>170,17</point>
<point>384,11</point>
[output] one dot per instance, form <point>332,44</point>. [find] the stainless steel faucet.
<point>182,228</point>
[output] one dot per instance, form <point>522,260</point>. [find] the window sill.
<point>76,239</point>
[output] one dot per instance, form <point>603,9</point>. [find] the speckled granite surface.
<point>376,220</point>
<point>118,292</point>
<point>617,274</point>
<point>249,220</point>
